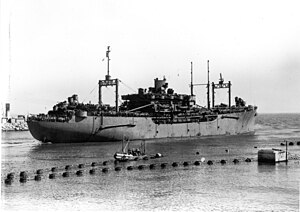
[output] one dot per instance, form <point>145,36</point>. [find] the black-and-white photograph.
<point>161,105</point>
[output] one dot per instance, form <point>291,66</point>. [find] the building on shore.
<point>9,123</point>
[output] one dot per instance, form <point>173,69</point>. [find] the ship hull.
<point>114,128</point>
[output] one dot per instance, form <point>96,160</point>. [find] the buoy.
<point>282,144</point>
<point>158,155</point>
<point>39,171</point>
<point>223,161</point>
<point>105,163</point>
<point>118,168</point>
<point>81,166</point>
<point>197,163</point>
<point>197,153</point>
<point>163,165</point>
<point>291,143</point>
<point>66,174</point>
<point>105,170</point>
<point>8,181</point>
<point>129,167</point>
<point>93,164</point>
<point>210,162</point>
<point>52,176</point>
<point>152,166</point>
<point>67,167</point>
<point>255,147</point>
<point>92,171</point>
<point>235,161</point>
<point>37,177</point>
<point>140,167</point>
<point>202,159</point>
<point>145,158</point>
<point>79,173</point>
<point>23,174</point>
<point>174,164</point>
<point>248,160</point>
<point>10,176</point>
<point>185,163</point>
<point>54,169</point>
<point>298,143</point>
<point>227,150</point>
<point>23,179</point>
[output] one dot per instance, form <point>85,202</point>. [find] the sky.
<point>52,49</point>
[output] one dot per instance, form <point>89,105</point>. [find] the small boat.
<point>129,154</point>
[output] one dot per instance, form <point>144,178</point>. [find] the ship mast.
<point>107,55</point>
<point>221,85</point>
<point>192,79</point>
<point>208,95</point>
<point>109,82</point>
<point>205,84</point>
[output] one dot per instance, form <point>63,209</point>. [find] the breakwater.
<point>22,126</point>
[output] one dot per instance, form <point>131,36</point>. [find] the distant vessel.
<point>155,113</point>
<point>130,154</point>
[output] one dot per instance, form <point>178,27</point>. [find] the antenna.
<point>192,79</point>
<point>107,55</point>
<point>221,80</point>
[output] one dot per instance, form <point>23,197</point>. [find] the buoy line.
<point>108,166</point>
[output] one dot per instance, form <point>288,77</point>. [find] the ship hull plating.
<point>114,128</point>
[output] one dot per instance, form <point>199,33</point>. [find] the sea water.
<point>245,186</point>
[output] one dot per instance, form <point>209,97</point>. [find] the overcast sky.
<point>56,49</point>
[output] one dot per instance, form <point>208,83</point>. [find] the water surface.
<point>229,187</point>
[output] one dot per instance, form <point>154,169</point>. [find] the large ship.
<point>154,113</point>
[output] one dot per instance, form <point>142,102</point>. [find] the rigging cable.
<point>127,86</point>
<point>120,100</point>
<point>90,92</point>
<point>134,91</point>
